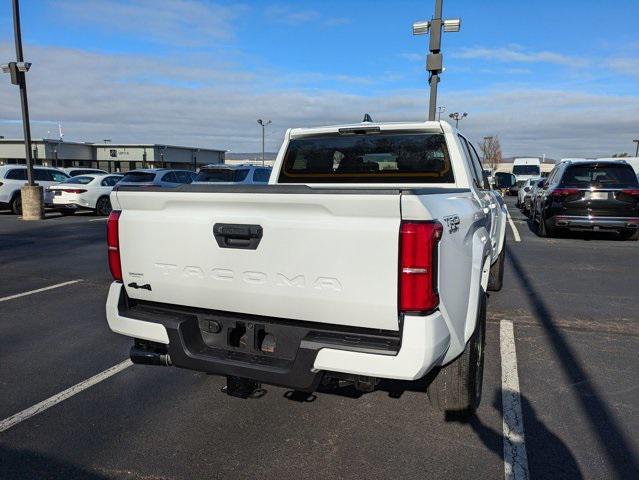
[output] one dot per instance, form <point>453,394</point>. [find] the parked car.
<point>13,177</point>
<point>523,195</point>
<point>245,174</point>
<point>90,192</point>
<point>367,256</point>
<point>158,177</point>
<point>535,188</point>
<point>599,195</point>
<point>75,171</point>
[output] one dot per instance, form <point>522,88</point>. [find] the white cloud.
<point>517,54</point>
<point>171,22</point>
<point>291,15</point>
<point>626,66</point>
<point>141,99</point>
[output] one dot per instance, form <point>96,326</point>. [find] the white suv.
<point>13,177</point>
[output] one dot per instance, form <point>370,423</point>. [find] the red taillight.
<point>113,244</point>
<point>631,192</point>
<point>565,192</point>
<point>417,266</point>
<point>72,190</point>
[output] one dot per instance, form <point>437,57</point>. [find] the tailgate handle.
<point>234,235</point>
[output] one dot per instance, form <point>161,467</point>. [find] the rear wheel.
<point>103,206</point>
<point>629,235</point>
<point>457,386</point>
<point>544,229</point>
<point>16,205</point>
<point>496,276</point>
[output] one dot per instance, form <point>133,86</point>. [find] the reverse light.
<point>418,242</point>
<point>564,192</point>
<point>113,244</point>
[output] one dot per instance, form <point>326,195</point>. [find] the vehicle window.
<point>476,163</point>
<point>57,176</point>
<point>80,180</point>
<point>261,175</point>
<point>217,175</point>
<point>17,174</point>
<point>374,158</point>
<point>526,170</point>
<point>110,181</point>
<point>599,176</point>
<point>193,176</point>
<point>138,177</point>
<point>40,175</point>
<point>241,174</point>
<point>183,177</point>
<point>170,177</point>
<point>471,163</point>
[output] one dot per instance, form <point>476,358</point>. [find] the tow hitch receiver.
<point>241,387</point>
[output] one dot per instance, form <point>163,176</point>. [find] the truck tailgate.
<point>326,256</point>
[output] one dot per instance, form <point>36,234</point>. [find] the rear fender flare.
<point>479,278</point>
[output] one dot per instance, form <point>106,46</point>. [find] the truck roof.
<point>430,127</point>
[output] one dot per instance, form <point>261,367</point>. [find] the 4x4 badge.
<point>452,221</point>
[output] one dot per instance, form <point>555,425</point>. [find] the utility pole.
<point>31,194</point>
<point>637,151</point>
<point>264,124</point>
<point>435,59</point>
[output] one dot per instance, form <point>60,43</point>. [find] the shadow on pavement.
<point>557,461</point>
<point>596,412</point>
<point>26,464</point>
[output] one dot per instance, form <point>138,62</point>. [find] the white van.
<point>524,169</point>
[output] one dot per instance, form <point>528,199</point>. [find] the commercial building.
<point>112,157</point>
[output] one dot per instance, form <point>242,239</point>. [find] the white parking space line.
<point>104,219</point>
<point>513,227</point>
<point>515,458</point>
<point>13,420</point>
<point>44,289</point>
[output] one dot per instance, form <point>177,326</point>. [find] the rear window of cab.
<point>370,158</point>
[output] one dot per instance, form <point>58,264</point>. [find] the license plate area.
<point>597,195</point>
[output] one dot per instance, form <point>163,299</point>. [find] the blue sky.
<point>560,78</point>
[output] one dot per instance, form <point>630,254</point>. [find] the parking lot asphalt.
<point>572,302</point>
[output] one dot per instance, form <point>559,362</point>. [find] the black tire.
<point>457,386</point>
<point>103,206</point>
<point>496,276</point>
<point>631,236</point>
<point>543,229</point>
<point>16,205</point>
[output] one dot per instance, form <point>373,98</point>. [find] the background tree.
<point>491,150</point>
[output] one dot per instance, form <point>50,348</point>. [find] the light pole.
<point>457,117</point>
<point>440,110</point>
<point>30,194</point>
<point>264,124</point>
<point>435,59</point>
<point>637,151</point>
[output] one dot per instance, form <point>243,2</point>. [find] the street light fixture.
<point>440,110</point>
<point>457,117</point>
<point>435,59</point>
<point>263,124</point>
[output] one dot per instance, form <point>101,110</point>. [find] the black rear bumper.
<point>229,344</point>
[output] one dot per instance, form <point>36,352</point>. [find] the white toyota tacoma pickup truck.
<point>367,257</point>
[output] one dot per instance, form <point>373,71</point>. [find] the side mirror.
<point>504,180</point>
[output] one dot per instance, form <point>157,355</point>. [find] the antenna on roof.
<point>60,131</point>
<point>367,118</point>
